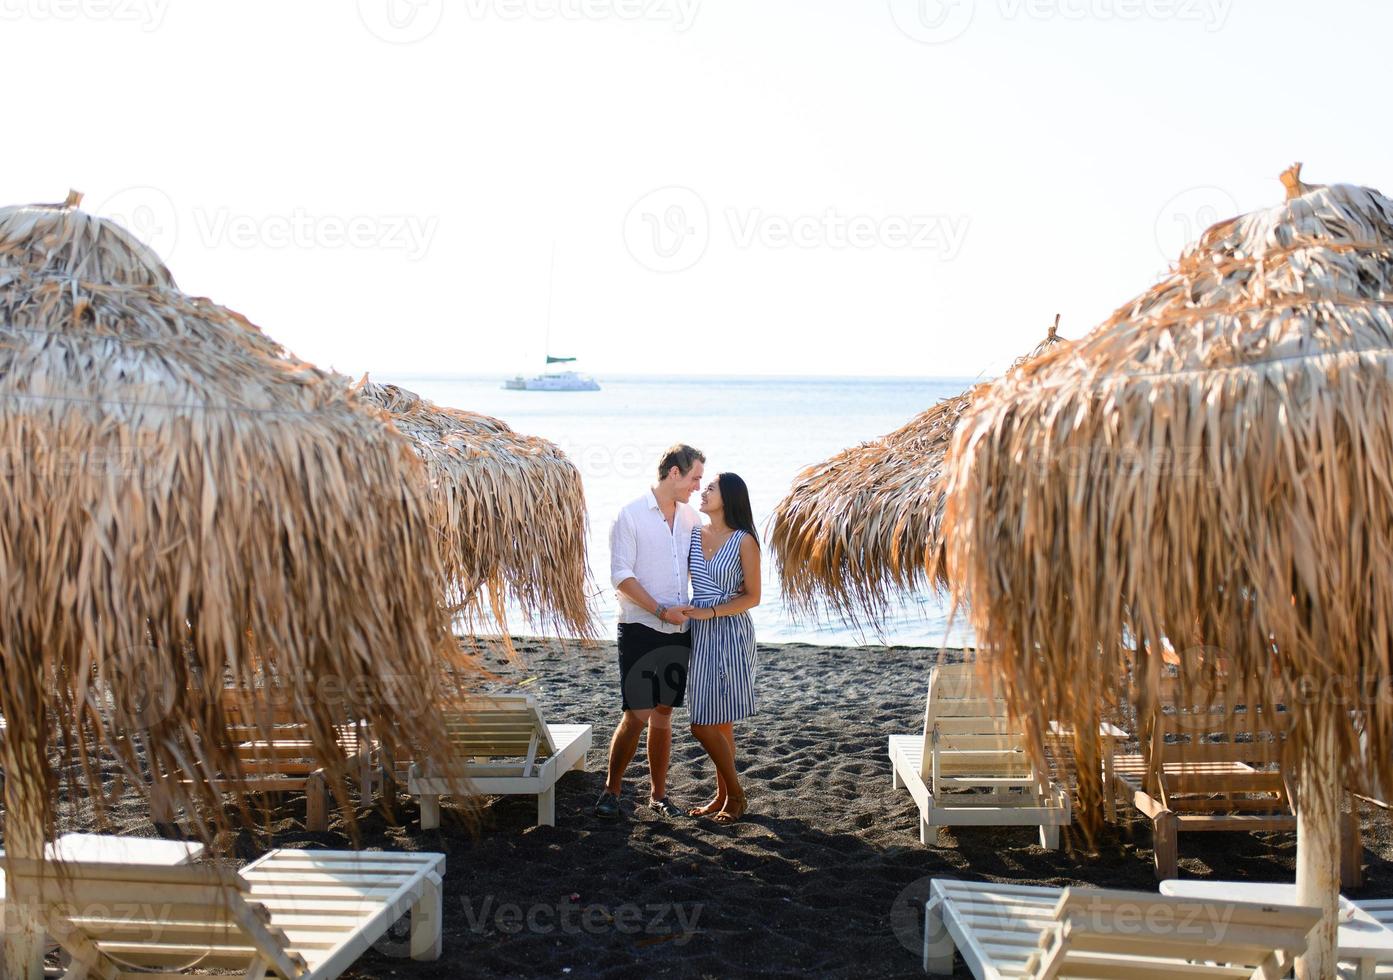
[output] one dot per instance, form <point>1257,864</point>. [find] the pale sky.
<point>760,187</point>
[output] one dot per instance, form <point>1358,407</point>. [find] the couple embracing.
<point>685,634</point>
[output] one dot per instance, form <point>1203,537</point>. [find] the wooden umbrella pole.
<point>24,838</point>
<point>1318,849</point>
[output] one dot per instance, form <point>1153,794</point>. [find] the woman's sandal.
<point>727,817</point>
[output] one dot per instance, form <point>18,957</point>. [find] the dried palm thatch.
<point>868,521</point>
<point>509,508</point>
<point>186,505</point>
<point>1213,467</point>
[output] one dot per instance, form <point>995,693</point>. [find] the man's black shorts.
<point>652,666</point>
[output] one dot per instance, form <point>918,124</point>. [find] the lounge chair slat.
<point>285,890</point>
<point>1246,752</point>
<point>339,858</point>
<point>312,867</point>
<point>981,725</point>
<point>1003,909</point>
<point>1128,967</point>
<point>191,956</point>
<point>989,888</point>
<point>994,923</point>
<point>1267,806</point>
<point>979,741</point>
<point>187,874</point>
<point>292,921</point>
<point>166,925</point>
<point>323,905</point>
<point>1255,781</point>
<point>1234,821</point>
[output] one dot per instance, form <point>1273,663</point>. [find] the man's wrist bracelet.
<point>660,610</point>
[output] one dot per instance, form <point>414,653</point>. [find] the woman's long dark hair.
<point>735,500</point>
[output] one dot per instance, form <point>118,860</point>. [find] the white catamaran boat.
<point>554,380</point>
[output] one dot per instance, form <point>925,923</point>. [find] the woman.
<point>724,564</point>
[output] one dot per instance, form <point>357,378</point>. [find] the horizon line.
<point>644,375</point>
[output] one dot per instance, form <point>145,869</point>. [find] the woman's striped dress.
<point>721,678</point>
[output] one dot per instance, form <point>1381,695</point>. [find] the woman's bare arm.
<point>746,599</point>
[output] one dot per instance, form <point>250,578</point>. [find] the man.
<point>649,544</point>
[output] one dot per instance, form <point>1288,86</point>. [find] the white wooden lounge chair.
<point>1363,940</point>
<point>1039,932</point>
<point>276,753</point>
<point>1212,766</point>
<point>1363,788</point>
<point>970,767</point>
<point>1381,911</point>
<point>293,914</point>
<point>109,849</point>
<point>502,746</point>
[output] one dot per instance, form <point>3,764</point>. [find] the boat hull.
<point>565,381</point>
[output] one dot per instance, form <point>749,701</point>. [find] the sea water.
<point>765,429</point>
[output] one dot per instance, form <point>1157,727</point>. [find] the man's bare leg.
<point>623,746</point>
<point>659,749</point>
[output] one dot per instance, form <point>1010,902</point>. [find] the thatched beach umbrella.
<point>1212,467</point>
<point>184,504</point>
<point>509,509</point>
<point>868,521</point>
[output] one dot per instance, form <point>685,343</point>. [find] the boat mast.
<point>551,284</point>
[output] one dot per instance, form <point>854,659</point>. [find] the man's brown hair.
<point>682,456</point>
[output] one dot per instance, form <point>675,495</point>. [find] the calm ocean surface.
<point>765,429</point>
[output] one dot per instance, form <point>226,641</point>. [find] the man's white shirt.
<point>642,546</point>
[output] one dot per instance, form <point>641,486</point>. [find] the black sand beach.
<point>823,878</point>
